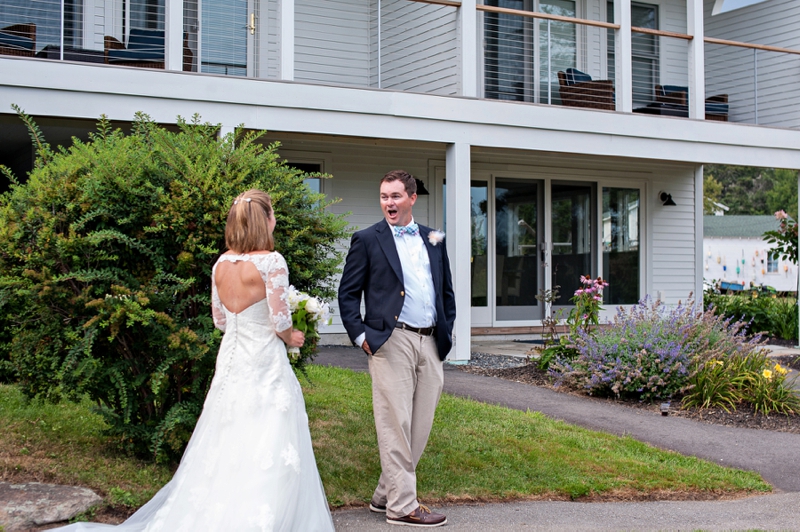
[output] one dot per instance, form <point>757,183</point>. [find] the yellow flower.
<point>767,374</point>
<point>780,369</point>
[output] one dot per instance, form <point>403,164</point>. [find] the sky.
<point>723,6</point>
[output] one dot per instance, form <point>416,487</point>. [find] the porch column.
<point>468,33</point>
<point>459,239</point>
<point>698,235</point>
<point>697,75</point>
<point>286,39</point>
<point>173,35</point>
<point>623,69</point>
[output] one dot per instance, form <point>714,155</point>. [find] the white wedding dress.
<point>249,465</point>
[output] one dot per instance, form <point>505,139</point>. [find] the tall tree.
<point>783,195</point>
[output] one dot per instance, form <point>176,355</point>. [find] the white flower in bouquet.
<point>313,306</point>
<point>307,313</point>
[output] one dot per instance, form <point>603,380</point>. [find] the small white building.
<point>734,251</point>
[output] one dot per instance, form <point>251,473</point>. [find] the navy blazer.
<point>373,270</point>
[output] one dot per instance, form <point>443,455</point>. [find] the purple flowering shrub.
<point>650,351</point>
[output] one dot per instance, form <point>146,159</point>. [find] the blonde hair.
<point>247,228</point>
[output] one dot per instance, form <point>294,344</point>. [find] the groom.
<point>403,273</point>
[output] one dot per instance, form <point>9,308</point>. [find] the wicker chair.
<point>593,94</point>
<point>19,40</point>
<point>678,96</point>
<point>150,52</point>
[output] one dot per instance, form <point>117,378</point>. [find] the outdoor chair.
<point>578,89</point>
<point>18,39</point>
<point>145,49</point>
<point>678,96</point>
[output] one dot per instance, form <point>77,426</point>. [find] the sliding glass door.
<point>531,234</point>
<point>518,275</point>
<point>573,251</point>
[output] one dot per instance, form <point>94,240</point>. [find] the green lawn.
<point>476,452</point>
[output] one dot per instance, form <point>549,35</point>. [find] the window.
<point>314,183</point>
<point>512,50</point>
<point>644,52</point>
<point>46,14</point>
<point>772,262</point>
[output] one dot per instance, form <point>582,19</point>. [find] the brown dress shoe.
<point>421,517</point>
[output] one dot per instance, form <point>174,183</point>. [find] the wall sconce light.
<point>421,190</point>
<point>667,199</point>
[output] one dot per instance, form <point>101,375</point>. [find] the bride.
<point>249,464</point>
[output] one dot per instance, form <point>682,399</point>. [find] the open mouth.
<point>392,213</point>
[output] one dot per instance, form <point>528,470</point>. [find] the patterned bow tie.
<point>411,229</point>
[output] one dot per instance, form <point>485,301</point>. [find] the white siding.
<point>733,71</point>
<point>673,236</point>
<point>419,47</point>
<point>332,42</point>
<point>674,52</point>
<point>357,171</point>
<point>272,63</point>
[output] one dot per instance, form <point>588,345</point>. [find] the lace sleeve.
<point>217,312</point>
<point>277,282</point>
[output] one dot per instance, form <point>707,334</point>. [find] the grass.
<point>485,452</point>
<point>476,452</point>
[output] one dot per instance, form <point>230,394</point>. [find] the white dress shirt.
<point>419,308</point>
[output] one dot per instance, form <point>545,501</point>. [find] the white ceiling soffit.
<point>723,6</point>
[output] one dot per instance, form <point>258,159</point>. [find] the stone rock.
<point>23,506</point>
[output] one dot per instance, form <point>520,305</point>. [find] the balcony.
<point>591,54</point>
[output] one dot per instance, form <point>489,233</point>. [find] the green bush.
<point>106,254</point>
<point>650,351</point>
<point>769,314</point>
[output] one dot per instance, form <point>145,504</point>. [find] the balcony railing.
<point>548,57</point>
<point>760,83</point>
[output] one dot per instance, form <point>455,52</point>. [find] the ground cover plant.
<point>652,352</point>
<point>476,452</point>
<point>105,260</point>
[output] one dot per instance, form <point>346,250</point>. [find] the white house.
<point>556,138</point>
<point>735,252</point>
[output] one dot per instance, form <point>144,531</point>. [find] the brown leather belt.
<point>424,331</point>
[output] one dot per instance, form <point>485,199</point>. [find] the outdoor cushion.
<point>15,41</point>
<point>141,39</point>
<point>143,45</point>
<point>135,55</point>
<point>716,108</point>
<point>576,76</point>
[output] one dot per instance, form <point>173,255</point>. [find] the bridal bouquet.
<point>308,312</point>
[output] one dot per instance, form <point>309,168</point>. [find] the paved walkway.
<point>775,455</point>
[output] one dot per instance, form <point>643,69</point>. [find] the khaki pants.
<point>407,380</point>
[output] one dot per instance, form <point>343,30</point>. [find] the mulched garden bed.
<point>517,369</point>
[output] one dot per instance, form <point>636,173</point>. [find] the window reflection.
<point>621,249</point>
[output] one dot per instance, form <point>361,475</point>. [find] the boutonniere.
<point>435,237</point>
